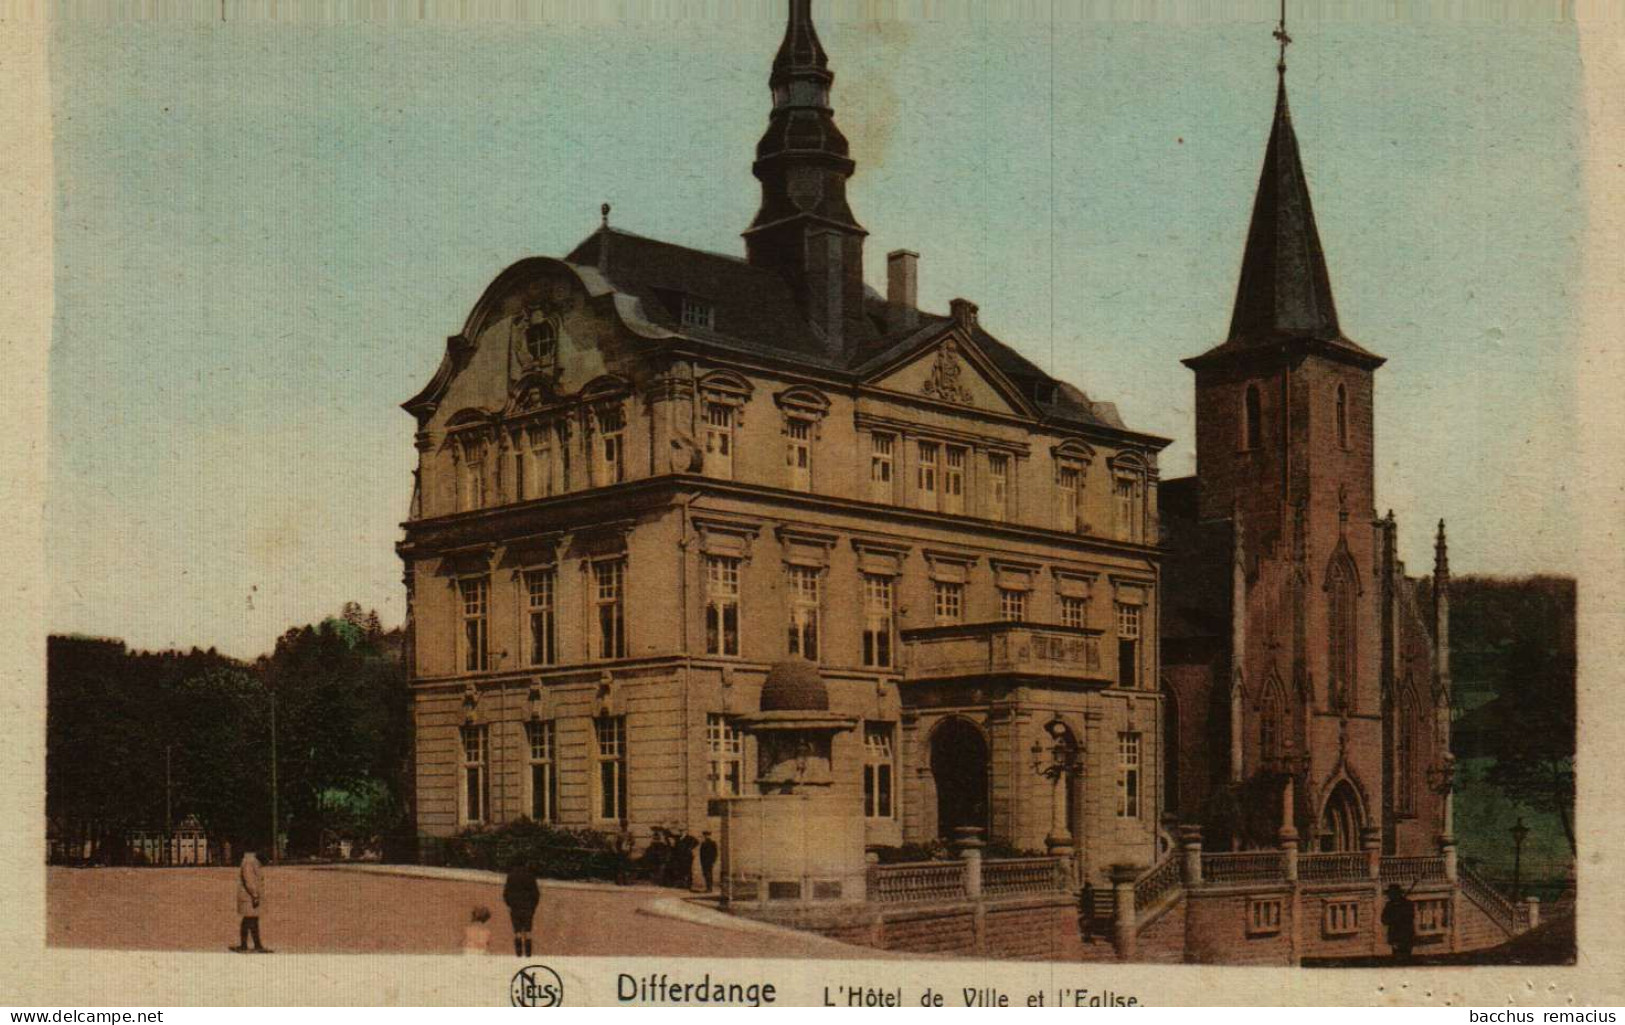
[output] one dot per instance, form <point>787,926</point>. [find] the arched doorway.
<point>1341,820</point>
<point>959,768</point>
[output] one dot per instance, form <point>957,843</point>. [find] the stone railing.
<point>1243,867</point>
<point>1002,649</point>
<point>1009,877</point>
<point>1157,883</point>
<point>1408,871</point>
<point>1490,900</point>
<point>1341,867</point>
<point>913,882</point>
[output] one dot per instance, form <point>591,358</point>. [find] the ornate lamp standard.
<point>1059,762</point>
<point>1520,833</point>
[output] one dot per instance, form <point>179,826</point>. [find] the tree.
<point>1533,739</point>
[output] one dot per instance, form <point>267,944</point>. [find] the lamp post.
<point>1059,763</point>
<point>1520,833</point>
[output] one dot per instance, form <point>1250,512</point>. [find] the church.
<point>652,478</point>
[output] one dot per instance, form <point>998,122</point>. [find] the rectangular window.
<point>927,475</point>
<point>881,450</point>
<point>998,486</point>
<point>476,600</point>
<point>1342,917</point>
<point>470,475</point>
<point>609,608</point>
<point>721,605</point>
<point>1125,499</point>
<point>798,453</point>
<point>611,441</point>
<point>1128,645</point>
<point>719,440</point>
<point>953,479</point>
<point>877,620</point>
<point>727,750</point>
<point>476,775</point>
<point>544,780</point>
<point>539,481</point>
<point>877,769</point>
<point>1074,612</point>
<point>949,599</point>
<point>697,313</point>
<point>539,590</point>
<point>804,605</point>
<point>610,734</point>
<point>1432,916</point>
<point>1128,775</point>
<point>1264,916</point>
<point>1012,605</point>
<point>1066,497</point>
<point>520,483</point>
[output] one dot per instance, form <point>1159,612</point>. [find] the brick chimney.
<point>902,291</point>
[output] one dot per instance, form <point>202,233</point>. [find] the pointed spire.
<point>1285,291</point>
<point>801,55</point>
<point>1441,555</point>
<point>804,228</point>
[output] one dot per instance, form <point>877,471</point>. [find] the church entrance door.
<point>1341,820</point>
<point>959,768</point>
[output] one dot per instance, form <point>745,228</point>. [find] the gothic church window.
<point>1252,420</point>
<point>1340,634</point>
<point>1405,753</point>
<point>1343,416</point>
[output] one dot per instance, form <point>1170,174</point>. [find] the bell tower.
<point>804,229</point>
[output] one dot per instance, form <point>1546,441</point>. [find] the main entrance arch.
<point>1341,819</point>
<point>959,769</point>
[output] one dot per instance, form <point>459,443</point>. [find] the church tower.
<point>1284,449</point>
<point>804,229</point>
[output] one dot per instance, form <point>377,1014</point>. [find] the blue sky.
<point>265,233</point>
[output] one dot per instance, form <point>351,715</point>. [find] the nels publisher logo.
<point>536,986</point>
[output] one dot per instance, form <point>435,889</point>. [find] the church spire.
<point>804,228</point>
<point>1285,291</point>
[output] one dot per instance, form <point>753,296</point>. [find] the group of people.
<point>668,860</point>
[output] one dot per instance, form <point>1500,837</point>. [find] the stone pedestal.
<point>1190,842</point>
<point>1125,928</point>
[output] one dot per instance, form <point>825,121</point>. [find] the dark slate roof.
<point>1285,291</point>
<point>756,313</point>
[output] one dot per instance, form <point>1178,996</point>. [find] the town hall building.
<point>650,476</point>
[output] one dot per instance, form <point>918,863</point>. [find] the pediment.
<point>953,372</point>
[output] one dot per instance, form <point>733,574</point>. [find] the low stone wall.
<point>1018,927</point>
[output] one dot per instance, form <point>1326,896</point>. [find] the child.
<point>477,935</point>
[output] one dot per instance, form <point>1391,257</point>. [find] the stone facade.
<point>648,473</point>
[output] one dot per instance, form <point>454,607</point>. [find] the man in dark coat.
<point>708,859</point>
<point>1399,917</point>
<point>682,862</point>
<point>521,894</point>
<point>1086,912</point>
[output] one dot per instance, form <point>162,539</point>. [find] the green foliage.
<point>343,736</point>
<point>551,851</point>
<point>1513,664</point>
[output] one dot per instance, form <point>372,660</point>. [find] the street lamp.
<point>1059,763</point>
<point>1520,833</point>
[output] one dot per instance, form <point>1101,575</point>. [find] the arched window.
<point>1405,752</point>
<point>1343,416</point>
<point>1272,723</point>
<point>1252,419</point>
<point>1341,615</point>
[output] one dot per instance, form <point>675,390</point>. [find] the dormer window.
<point>542,342</point>
<point>698,313</point>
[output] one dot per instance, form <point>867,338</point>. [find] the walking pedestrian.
<point>1399,917</point>
<point>708,859</point>
<point>521,894</point>
<point>1086,912</point>
<point>477,934</point>
<point>250,901</point>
